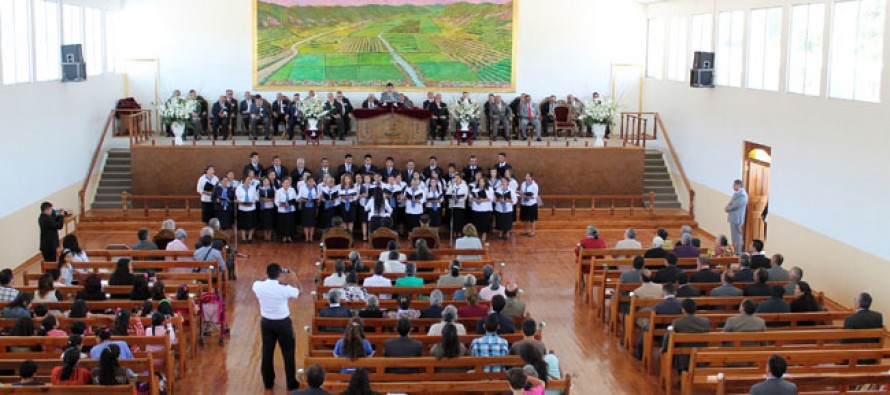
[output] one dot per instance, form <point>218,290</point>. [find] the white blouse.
<point>529,188</point>
<point>509,200</point>
<point>486,205</point>
<point>283,197</point>
<point>247,196</point>
<point>372,210</point>
<point>206,195</point>
<point>414,200</point>
<point>459,195</point>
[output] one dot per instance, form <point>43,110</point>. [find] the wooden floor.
<point>542,266</point>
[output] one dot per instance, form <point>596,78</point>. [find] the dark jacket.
<point>505,325</point>
<point>758,289</point>
<point>432,312</point>
<point>745,275</point>
<point>760,261</point>
<point>688,291</point>
<point>705,276</point>
<point>863,319</point>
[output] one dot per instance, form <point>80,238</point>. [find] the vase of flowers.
<point>313,110</point>
<point>464,112</point>
<point>599,114</point>
<point>175,112</point>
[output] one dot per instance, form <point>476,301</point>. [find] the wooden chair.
<point>430,235</point>
<point>564,120</point>
<point>382,236</point>
<point>337,239</point>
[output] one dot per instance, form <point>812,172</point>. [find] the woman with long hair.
<point>266,195</point>
<point>377,208</point>
<point>359,384</point>
<point>457,193</point>
<point>46,291</point>
<point>92,289</point>
<point>122,274</point>
<point>65,269</point>
<point>78,309</point>
<point>70,243</point>
<point>364,192</point>
<point>353,345</point>
<point>415,198</point>
<point>140,289</point>
<point>450,345</point>
<point>805,301</point>
<point>69,373</point>
<point>157,291</point>
<point>529,212</point>
<point>348,200</point>
<point>421,252</point>
<point>23,327</point>
<point>19,307</point>
<point>505,199</point>
<point>481,198</point>
<point>109,371</point>
<point>122,326</point>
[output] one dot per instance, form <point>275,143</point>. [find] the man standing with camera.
<point>50,221</point>
<point>275,325</point>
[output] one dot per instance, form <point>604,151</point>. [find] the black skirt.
<point>307,216</point>
<point>287,224</point>
<point>246,220</point>
<point>435,216</point>
<point>267,219</point>
<point>482,221</point>
<point>351,214</point>
<point>529,213</point>
<point>412,221</point>
<point>207,212</point>
<point>458,219</point>
<point>225,217</point>
<point>327,214</point>
<point>504,221</point>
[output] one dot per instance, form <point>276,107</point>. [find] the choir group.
<point>364,197</point>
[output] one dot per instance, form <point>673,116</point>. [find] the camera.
<point>285,270</point>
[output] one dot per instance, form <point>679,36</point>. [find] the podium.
<point>391,126</point>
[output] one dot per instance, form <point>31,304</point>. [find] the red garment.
<point>591,243</point>
<point>79,376</point>
<point>469,311</point>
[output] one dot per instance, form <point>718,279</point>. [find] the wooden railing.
<point>645,202</point>
<point>637,127</point>
<point>82,195</point>
<point>158,200</point>
<point>138,123</point>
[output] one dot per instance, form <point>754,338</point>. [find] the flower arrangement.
<point>602,111</point>
<point>177,109</point>
<point>313,108</point>
<point>464,111</point>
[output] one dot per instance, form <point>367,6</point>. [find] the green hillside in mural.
<point>453,45</point>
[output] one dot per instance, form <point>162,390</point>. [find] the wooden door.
<point>756,176</point>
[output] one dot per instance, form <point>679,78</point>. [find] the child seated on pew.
<point>69,373</point>
<point>109,371</point>
<point>26,371</point>
<point>50,327</point>
<point>523,384</point>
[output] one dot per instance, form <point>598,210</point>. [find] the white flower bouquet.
<point>464,111</point>
<point>177,109</point>
<point>602,111</point>
<point>313,108</point>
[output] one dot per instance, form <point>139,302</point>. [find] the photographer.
<point>50,221</point>
<point>276,325</point>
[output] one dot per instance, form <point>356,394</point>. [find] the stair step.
<point>665,197</point>
<point>118,161</point>
<point>106,205</point>
<point>659,190</point>
<point>668,205</point>
<point>656,176</point>
<point>107,182</point>
<point>113,190</point>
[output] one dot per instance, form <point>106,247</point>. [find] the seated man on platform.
<point>219,118</point>
<point>774,383</point>
<point>389,96</point>
<point>429,99</point>
<point>261,114</point>
<point>528,114</point>
<point>439,118</point>
<point>548,117</point>
<point>371,102</point>
<point>294,118</point>
<point>500,114</point>
<point>345,111</point>
<point>334,115</point>
<point>405,102</point>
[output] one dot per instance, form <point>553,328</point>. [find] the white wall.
<point>565,46</point>
<point>828,178</point>
<point>50,130</point>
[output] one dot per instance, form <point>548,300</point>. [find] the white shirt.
<point>414,200</point>
<point>460,193</point>
<point>283,196</point>
<point>372,211</point>
<point>487,293</point>
<point>384,256</point>
<point>510,201</point>
<point>206,197</point>
<point>378,281</point>
<point>529,188</point>
<point>330,190</point>
<point>246,195</point>
<point>393,267</point>
<point>434,195</point>
<point>304,193</point>
<point>628,244</point>
<point>273,298</point>
<point>334,280</point>
<point>484,205</point>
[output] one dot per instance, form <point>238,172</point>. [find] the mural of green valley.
<point>356,44</point>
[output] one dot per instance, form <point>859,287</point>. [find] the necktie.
<point>413,196</point>
<point>346,198</point>
<point>504,192</point>
<point>529,110</point>
<point>435,205</point>
<point>246,195</point>
<point>310,204</point>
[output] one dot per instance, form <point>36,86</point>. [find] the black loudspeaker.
<point>74,72</point>
<point>703,60</point>
<point>701,78</point>
<point>72,53</point>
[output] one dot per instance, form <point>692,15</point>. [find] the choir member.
<point>378,208</point>
<point>505,198</point>
<point>223,203</point>
<point>529,213</point>
<point>364,191</point>
<point>329,194</point>
<point>274,180</point>
<point>434,195</point>
<point>206,186</point>
<point>349,193</point>
<point>481,197</point>
<point>457,202</point>
<point>286,201</point>
<point>415,198</point>
<point>266,196</point>
<point>308,196</point>
<point>246,198</point>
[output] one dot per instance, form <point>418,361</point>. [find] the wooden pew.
<point>97,321</point>
<point>828,339</point>
<point>658,325</point>
<point>753,363</point>
<point>810,384</point>
<point>72,389</point>
<point>45,367</point>
<point>135,254</point>
<point>424,290</point>
<point>382,325</point>
<point>483,387</point>
<point>428,277</point>
<point>166,277</point>
<point>322,344</point>
<point>375,253</point>
<point>59,342</point>
<point>388,304</point>
<point>192,320</point>
<point>157,266</point>
<point>69,291</point>
<point>584,260</point>
<point>441,265</point>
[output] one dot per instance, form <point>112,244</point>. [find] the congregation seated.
<point>544,365</point>
<point>685,249</point>
<point>353,345</point>
<point>515,307</point>
<point>657,250</point>
<point>472,309</point>
<point>684,289</point>
<point>351,290</point>
<point>726,288</point>
<point>776,271</point>
<point>689,323</point>
<point>165,235</point>
<point>314,381</point>
<point>27,370</point>
<point>421,252</point>
<point>178,242</point>
<point>377,280</point>
<point>487,272</point>
<point>435,308</point>
<point>390,247</point>
<point>469,283</point>
<point>776,302</point>
<point>69,373</point>
<point>372,308</point>
<point>453,277</point>
<point>403,345</point>
<point>759,288</point>
<point>142,243</point>
<point>663,234</point>
<point>774,383</point>
<point>469,241</point>
<point>7,292</point>
<point>722,247</point>
<point>404,310</point>
<point>758,257</point>
<point>521,383</point>
<point>744,274</point>
<point>669,273</point>
<point>591,241</point>
<point>122,274</point>
<point>449,317</point>
<point>795,275</point>
<point>635,274</point>
<point>505,324</point>
<point>338,278</point>
<point>805,301</point>
<point>745,321</point>
<point>208,252</point>
<point>629,241</point>
<point>529,328</point>
<point>450,346</point>
<point>493,288</point>
<point>393,263</point>
<point>103,336</point>
<point>19,307</point>
<point>704,273</point>
<point>864,317</point>
<point>109,371</point>
<point>490,345</point>
<point>334,310</point>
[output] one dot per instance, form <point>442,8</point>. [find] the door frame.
<point>746,162</point>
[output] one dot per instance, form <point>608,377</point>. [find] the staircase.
<point>116,178</point>
<point>656,178</point>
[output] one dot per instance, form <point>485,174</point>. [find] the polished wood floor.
<point>543,266</point>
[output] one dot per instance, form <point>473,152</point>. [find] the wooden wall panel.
<point>560,171</point>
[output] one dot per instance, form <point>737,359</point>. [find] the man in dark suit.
<point>776,303</point>
<point>547,114</point>
<point>297,173</point>
<point>232,110</point>
<point>246,108</point>
<point>430,97</point>
<point>759,258</point>
<point>334,310</point>
<point>505,324</point>
<point>315,379</point>
<point>863,318</point>
<point>502,165</point>
<point>429,170</point>
<point>408,173</point>
<point>684,290</point>
<point>323,170</point>
<point>346,167</point>
<point>261,114</point>
<point>774,383</point>
<point>389,169</point>
<point>333,114</point>
<point>402,346</point>
<point>368,167</point>
<point>745,274</point>
<point>219,118</point>
<point>279,112</point>
<point>469,172</point>
<point>759,288</point>
<point>668,275</point>
<point>704,273</point>
<point>254,165</point>
<point>50,221</point>
<point>371,102</point>
<point>657,250</point>
<point>294,116</point>
<point>669,306</point>
<point>345,112</point>
<point>726,289</point>
<point>435,309</point>
<point>439,119</point>
<point>279,169</point>
<point>689,323</point>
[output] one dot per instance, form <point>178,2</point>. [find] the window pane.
<point>730,37</point>
<point>805,49</point>
<point>73,20</point>
<point>764,48</point>
<point>15,41</point>
<point>857,41</point>
<point>109,41</point>
<point>94,43</point>
<point>46,40</point>
<point>701,32</point>
<point>677,55</point>
<point>655,54</point>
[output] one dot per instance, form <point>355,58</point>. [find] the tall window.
<point>655,52</point>
<point>765,48</point>
<point>677,55</point>
<point>730,37</point>
<point>73,22</point>
<point>805,49</point>
<point>702,26</point>
<point>857,41</point>
<point>110,33</point>
<point>94,42</point>
<point>15,40</point>
<point>46,40</point>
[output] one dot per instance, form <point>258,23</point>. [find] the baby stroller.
<point>212,311</point>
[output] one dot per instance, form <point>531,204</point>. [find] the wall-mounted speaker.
<point>72,53</point>
<point>701,78</point>
<point>703,60</point>
<point>74,72</point>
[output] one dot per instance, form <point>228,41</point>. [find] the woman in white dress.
<point>246,198</point>
<point>505,198</point>
<point>286,201</point>
<point>481,197</point>
<point>206,185</point>
<point>529,213</point>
